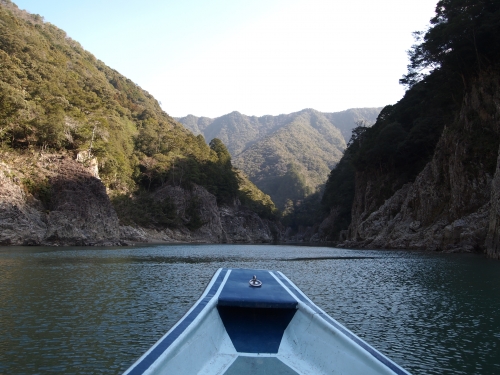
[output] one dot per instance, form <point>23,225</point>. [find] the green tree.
<point>221,150</point>
<point>223,179</point>
<point>464,37</point>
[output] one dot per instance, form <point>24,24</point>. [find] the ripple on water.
<point>94,311</point>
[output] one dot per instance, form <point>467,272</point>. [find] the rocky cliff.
<point>232,223</point>
<point>55,200</point>
<point>453,204</point>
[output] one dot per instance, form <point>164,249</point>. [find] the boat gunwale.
<point>304,301</point>
<point>147,360</point>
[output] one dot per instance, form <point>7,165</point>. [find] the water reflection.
<point>93,311</point>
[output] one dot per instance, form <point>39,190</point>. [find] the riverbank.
<point>57,200</point>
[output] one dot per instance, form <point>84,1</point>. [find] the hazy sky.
<point>258,57</point>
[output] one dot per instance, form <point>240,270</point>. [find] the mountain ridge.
<point>344,120</point>
<point>297,149</point>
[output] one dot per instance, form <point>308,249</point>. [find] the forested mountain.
<point>293,161</point>
<point>56,98</point>
<point>286,156</point>
<point>426,174</point>
<point>239,131</point>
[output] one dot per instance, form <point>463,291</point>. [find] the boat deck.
<point>259,366</point>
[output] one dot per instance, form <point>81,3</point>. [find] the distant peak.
<point>305,110</point>
<point>234,114</point>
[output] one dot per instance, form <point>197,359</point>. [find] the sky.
<point>258,57</point>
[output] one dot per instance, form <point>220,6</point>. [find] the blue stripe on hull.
<point>163,345</point>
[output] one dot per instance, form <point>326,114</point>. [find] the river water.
<point>96,310</point>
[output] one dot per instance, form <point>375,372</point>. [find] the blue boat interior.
<point>255,319</point>
<point>255,330</point>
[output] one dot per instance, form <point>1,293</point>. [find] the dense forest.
<point>288,156</point>
<point>462,43</point>
<point>55,97</point>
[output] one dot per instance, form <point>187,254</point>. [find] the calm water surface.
<point>95,311</point>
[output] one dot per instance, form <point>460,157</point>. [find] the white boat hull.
<point>235,329</point>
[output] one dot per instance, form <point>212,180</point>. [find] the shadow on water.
<point>151,259</point>
<point>325,258</point>
<point>186,260</point>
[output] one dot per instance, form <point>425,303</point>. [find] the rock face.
<point>86,158</point>
<point>74,209</point>
<point>218,224</point>
<point>241,225</point>
<point>80,210</point>
<point>21,223</point>
<point>493,236</point>
<point>206,208</point>
<point>454,203</point>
